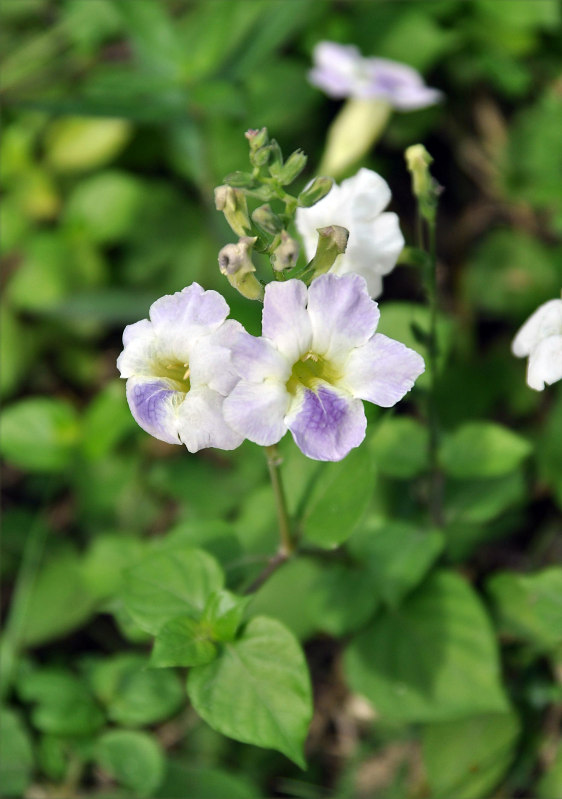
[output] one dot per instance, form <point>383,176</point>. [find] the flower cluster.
<point>540,340</point>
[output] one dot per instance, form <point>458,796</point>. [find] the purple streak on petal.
<point>382,371</point>
<point>328,425</point>
<point>341,312</point>
<point>257,411</point>
<point>153,405</point>
<point>285,319</point>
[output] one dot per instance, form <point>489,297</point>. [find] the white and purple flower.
<point>178,370</point>
<point>318,359</point>
<point>341,71</point>
<point>375,240</point>
<point>540,339</point>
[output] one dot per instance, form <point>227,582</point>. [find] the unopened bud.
<point>315,192</point>
<point>285,255</point>
<point>257,138</point>
<point>332,241</point>
<point>267,220</point>
<point>292,168</point>
<point>425,188</point>
<point>232,202</point>
<point>235,263</point>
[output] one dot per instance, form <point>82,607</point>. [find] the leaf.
<point>258,691</point>
<point>165,585</point>
<point>466,759</point>
<point>192,782</point>
<point>16,765</point>
<point>341,599</point>
<point>64,704</point>
<point>397,556</point>
<point>478,501</point>
<point>550,784</point>
<point>104,564</point>
<point>39,434</point>
<point>399,446</point>
<point>433,659</point>
<point>134,759</point>
<point>482,449</point>
<point>338,499</point>
<point>183,642</point>
<point>76,143</point>
<point>223,614</point>
<point>133,694</point>
<point>529,606</point>
<point>106,420</point>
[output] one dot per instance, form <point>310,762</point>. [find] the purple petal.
<point>382,371</point>
<point>201,423</point>
<point>154,406</point>
<point>257,411</point>
<point>328,424</point>
<point>335,67</point>
<point>256,359</point>
<point>188,312</point>
<point>285,319</point>
<point>342,314</point>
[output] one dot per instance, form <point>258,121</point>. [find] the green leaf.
<point>477,501</point>
<point>106,420</point>
<point>133,694</point>
<point>75,143</point>
<point>482,449</point>
<point>16,765</point>
<point>104,564</point>
<point>64,704</point>
<point>190,782</point>
<point>433,659</point>
<point>134,759</point>
<point>338,499</point>
<point>183,642</point>
<point>168,584</point>
<point>397,555</point>
<point>258,691</point>
<point>223,614</point>
<point>341,599</point>
<point>529,606</point>
<point>466,759</point>
<point>550,784</point>
<point>399,447</point>
<point>39,434</point>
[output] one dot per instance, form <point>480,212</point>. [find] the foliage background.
<point>120,118</point>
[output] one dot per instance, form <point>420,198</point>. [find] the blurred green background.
<point>120,116</point>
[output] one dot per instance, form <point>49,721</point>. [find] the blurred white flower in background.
<point>540,339</point>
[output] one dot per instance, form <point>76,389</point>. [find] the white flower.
<point>540,339</point>
<point>375,240</point>
<point>178,370</point>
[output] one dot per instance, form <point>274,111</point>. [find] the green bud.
<point>257,138</point>
<point>241,179</point>
<point>285,254</point>
<point>315,192</point>
<point>235,263</point>
<point>232,202</point>
<point>267,220</point>
<point>292,168</point>
<point>261,156</point>
<point>332,241</point>
<point>424,187</point>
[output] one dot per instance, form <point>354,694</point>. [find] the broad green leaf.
<point>258,691</point>
<point>106,420</point>
<point>427,41</point>
<point>64,705</point>
<point>168,584</point>
<point>16,353</point>
<point>133,694</point>
<point>339,498</point>
<point>76,143</point>
<point>183,642</point>
<point>105,562</point>
<point>154,37</point>
<point>134,759</point>
<point>482,449</point>
<point>223,614</point>
<point>550,784</point>
<point>191,782</point>
<point>466,759</point>
<point>399,447</point>
<point>478,501</point>
<point>433,659</point>
<point>529,606</point>
<point>341,599</point>
<point>397,556</point>
<point>16,764</point>
<point>39,434</point>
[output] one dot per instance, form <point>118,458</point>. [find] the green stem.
<point>273,464</point>
<point>435,501</point>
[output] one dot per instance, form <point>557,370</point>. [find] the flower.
<point>341,71</point>
<point>540,339</point>
<point>318,358</point>
<point>375,240</point>
<point>178,371</point>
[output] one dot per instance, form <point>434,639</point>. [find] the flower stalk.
<point>274,462</point>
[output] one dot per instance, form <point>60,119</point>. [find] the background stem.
<point>273,464</point>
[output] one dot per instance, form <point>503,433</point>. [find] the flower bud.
<point>232,202</point>
<point>285,255</point>
<point>315,192</point>
<point>267,220</point>
<point>235,263</point>
<point>292,168</point>
<point>257,138</point>
<point>425,188</point>
<point>332,241</point>
<point>242,179</point>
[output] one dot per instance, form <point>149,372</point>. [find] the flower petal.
<point>201,422</point>
<point>382,371</point>
<point>544,322</point>
<point>545,363</point>
<point>142,329</point>
<point>342,314</point>
<point>335,67</point>
<point>256,359</point>
<point>327,424</point>
<point>257,411</point>
<point>210,363</point>
<point>366,194</point>
<point>285,320</point>
<point>154,405</point>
